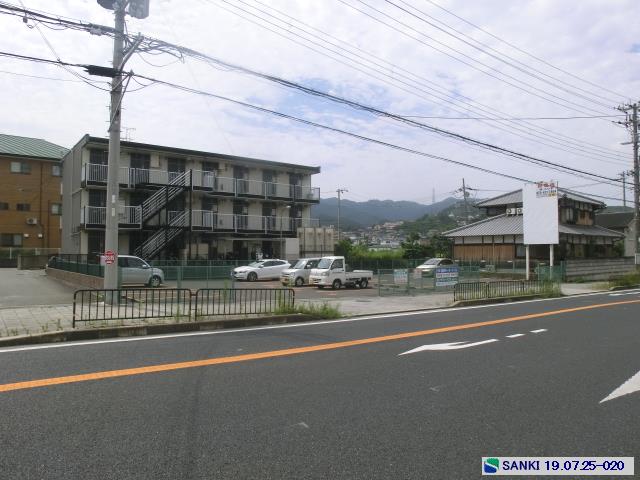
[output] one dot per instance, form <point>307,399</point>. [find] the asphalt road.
<point>329,400</point>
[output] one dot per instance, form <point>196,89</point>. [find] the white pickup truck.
<point>332,272</point>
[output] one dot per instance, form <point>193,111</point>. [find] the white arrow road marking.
<point>634,292</point>
<point>540,330</point>
<point>516,335</point>
<point>449,346</point>
<point>630,386</point>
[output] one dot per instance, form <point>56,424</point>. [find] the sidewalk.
<point>36,320</point>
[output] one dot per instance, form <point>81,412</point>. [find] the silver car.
<point>135,270</point>
<point>298,275</point>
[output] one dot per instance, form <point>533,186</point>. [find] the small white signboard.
<point>446,276</point>
<point>400,276</point>
<point>540,213</point>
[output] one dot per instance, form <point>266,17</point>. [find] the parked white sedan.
<point>262,270</point>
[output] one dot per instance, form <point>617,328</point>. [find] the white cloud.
<point>592,39</point>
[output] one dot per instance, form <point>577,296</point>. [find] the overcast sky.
<point>385,55</point>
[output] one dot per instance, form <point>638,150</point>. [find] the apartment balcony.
<point>94,218</point>
<point>96,175</point>
<point>206,220</point>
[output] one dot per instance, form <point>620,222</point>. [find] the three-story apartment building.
<point>178,203</point>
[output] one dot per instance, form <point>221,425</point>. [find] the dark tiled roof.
<point>30,147</point>
<point>513,225</point>
<point>614,220</point>
<point>515,197</point>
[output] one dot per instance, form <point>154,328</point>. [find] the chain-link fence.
<point>415,281</point>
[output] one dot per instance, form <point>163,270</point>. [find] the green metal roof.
<point>30,147</point>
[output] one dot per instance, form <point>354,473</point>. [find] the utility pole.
<point>111,224</point>
<point>340,192</point>
<point>623,176</point>
<point>636,179</point>
<point>433,196</point>
<point>138,9</point>
<point>632,124</point>
<point>466,203</point>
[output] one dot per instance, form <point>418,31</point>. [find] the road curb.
<point>142,330</point>
<point>490,301</point>
<point>624,287</point>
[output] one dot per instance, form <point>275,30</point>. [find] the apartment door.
<point>268,185</point>
<point>241,215</point>
<point>240,175</point>
<point>295,185</point>
<point>269,217</point>
<point>140,164</point>
<point>209,173</point>
<point>176,167</point>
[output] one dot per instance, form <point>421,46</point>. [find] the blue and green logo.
<point>491,465</point>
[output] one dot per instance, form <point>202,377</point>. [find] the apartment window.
<point>210,166</point>
<point>4,206</point>
<point>209,203</point>
<point>176,164</point>
<point>10,239</point>
<point>97,198</point>
<point>23,207</point>
<point>56,209</point>
<point>101,157</point>
<point>20,167</point>
<point>56,170</point>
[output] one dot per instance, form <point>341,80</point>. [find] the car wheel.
<point>299,282</point>
<point>321,287</point>
<point>364,283</point>
<point>336,284</point>
<point>252,277</point>
<point>155,281</point>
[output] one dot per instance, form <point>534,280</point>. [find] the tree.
<point>344,247</point>
<point>441,246</point>
<point>412,248</point>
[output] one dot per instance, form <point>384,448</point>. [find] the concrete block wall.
<point>599,268</point>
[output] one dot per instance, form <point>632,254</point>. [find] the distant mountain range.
<point>372,212</point>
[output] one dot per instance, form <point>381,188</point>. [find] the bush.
<point>323,310</point>
<point>630,280</point>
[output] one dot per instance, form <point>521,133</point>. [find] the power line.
<point>575,145</point>
<point>159,47</point>
<point>524,51</point>
<point>531,90</point>
<point>514,118</point>
<point>487,50</point>
<point>179,51</point>
<point>341,131</point>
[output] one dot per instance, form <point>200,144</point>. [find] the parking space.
<point>305,292</point>
<point>31,287</point>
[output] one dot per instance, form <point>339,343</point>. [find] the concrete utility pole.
<point>632,124</point>
<point>111,224</point>
<point>623,176</point>
<point>636,177</point>
<point>138,9</point>
<point>466,203</point>
<point>340,192</point>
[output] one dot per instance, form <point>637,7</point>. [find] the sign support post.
<point>526,253</point>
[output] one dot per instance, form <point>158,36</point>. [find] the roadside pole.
<point>636,179</point>
<point>111,223</point>
<point>526,249</point>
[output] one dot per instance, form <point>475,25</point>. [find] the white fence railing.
<point>127,215</point>
<point>209,220</point>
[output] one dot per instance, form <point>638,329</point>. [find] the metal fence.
<point>246,301</point>
<point>505,288</point>
<point>134,303</point>
<point>413,281</point>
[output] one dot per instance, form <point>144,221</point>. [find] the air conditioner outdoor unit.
<point>32,221</point>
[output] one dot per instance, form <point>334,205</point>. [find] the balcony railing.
<point>128,216</point>
<point>212,221</point>
<point>203,180</point>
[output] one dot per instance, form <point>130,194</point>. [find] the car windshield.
<point>255,264</point>
<point>325,263</point>
<point>432,261</point>
<point>300,264</point>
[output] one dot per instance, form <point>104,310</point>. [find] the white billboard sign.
<point>540,213</point>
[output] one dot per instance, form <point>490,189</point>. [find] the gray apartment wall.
<point>71,199</point>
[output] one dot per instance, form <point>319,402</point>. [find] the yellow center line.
<point>45,382</point>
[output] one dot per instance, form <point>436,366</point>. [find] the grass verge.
<point>319,310</point>
<point>630,280</point>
